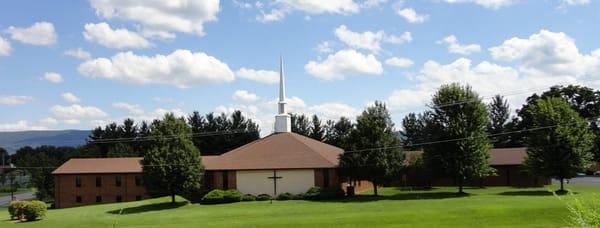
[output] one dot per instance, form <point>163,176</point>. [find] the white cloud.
<point>48,121</point>
<point>411,16</point>
<point>5,47</point>
<point>244,96</point>
<point>455,47</point>
<point>262,76</point>
<point>133,109</point>
<point>344,63</point>
<point>334,110</point>
<point>576,2</point>
<point>161,17</point>
<point>121,38</point>
<point>324,47</point>
<point>21,125</point>
<point>71,121</point>
<point>399,62</point>
<point>76,111</point>
<point>40,33</point>
<point>369,40</point>
<point>78,53</point>
<point>69,97</point>
<point>490,4</point>
<point>283,7</point>
<point>182,68</point>
<point>15,100</point>
<point>53,77</point>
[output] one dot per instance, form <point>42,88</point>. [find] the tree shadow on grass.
<point>532,193</point>
<point>148,208</point>
<point>401,196</point>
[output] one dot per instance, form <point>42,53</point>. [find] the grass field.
<point>440,207</point>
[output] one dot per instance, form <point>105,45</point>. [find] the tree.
<point>462,148</point>
<point>173,165</point>
<point>317,131</point>
<point>374,129</point>
<point>414,126</point>
<point>217,134</point>
<point>338,132</point>
<point>300,124</point>
<point>562,145</point>
<point>121,150</point>
<point>499,112</point>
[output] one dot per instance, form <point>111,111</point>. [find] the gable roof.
<point>498,156</point>
<point>100,165</point>
<point>277,151</point>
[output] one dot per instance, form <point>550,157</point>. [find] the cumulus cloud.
<point>48,121</point>
<point>161,18</point>
<point>262,76</point>
<point>324,47</point>
<point>462,49</point>
<point>69,97</point>
<point>182,68</point>
<point>343,63</point>
<point>15,100</point>
<point>490,4</point>
<point>132,109</point>
<point>369,40</point>
<point>21,125</point>
<point>244,96</point>
<point>53,77</point>
<point>281,8</point>
<point>5,47</point>
<point>78,53</point>
<point>104,35</point>
<point>40,33</point>
<point>76,111</point>
<point>411,16</point>
<point>575,2</point>
<point>399,62</point>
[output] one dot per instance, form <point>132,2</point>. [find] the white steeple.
<point>283,121</point>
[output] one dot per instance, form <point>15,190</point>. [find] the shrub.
<point>584,214</point>
<point>317,193</point>
<point>232,196</point>
<point>263,197</point>
<point>300,196</point>
<point>248,197</point>
<point>214,197</point>
<point>34,209</point>
<point>285,196</point>
<point>15,209</point>
<point>313,193</point>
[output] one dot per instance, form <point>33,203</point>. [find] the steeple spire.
<point>282,119</point>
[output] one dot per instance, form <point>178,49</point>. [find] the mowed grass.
<point>439,207</point>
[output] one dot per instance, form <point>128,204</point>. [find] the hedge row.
<point>218,196</point>
<point>29,210</point>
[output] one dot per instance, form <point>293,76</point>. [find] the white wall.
<point>257,181</point>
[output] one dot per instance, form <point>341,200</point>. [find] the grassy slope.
<point>491,207</point>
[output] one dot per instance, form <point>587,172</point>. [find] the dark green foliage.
<point>338,132</point>
<point>299,196</point>
<point>121,150</point>
<point>318,193</point>
<point>285,196</point>
<point>214,197</point>
<point>34,210</point>
<point>414,126</point>
<point>248,197</point>
<point>317,131</point>
<point>300,124</point>
<point>374,129</point>
<point>232,195</point>
<point>263,197</point>
<point>173,165</point>
<point>242,131</point>
<point>129,139</point>
<point>458,159</point>
<point>499,112</point>
<point>15,209</point>
<point>562,150</point>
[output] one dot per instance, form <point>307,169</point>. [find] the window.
<point>98,181</point>
<point>325,178</point>
<point>98,199</point>
<point>78,199</point>
<point>138,181</point>
<point>138,198</point>
<point>118,181</point>
<point>78,182</point>
<point>225,180</point>
<point>119,199</point>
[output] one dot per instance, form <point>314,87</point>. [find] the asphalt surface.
<point>5,200</point>
<point>586,181</point>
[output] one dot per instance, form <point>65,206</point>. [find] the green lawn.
<point>440,207</point>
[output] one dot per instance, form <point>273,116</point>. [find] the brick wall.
<point>66,191</point>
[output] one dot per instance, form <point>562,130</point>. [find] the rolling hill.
<point>12,141</point>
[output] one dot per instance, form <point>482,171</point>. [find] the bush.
<point>248,197</point>
<point>213,197</point>
<point>317,193</point>
<point>232,196</point>
<point>285,196</point>
<point>584,213</point>
<point>263,197</point>
<point>34,209</point>
<point>300,196</point>
<point>15,209</point>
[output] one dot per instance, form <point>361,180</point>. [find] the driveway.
<point>5,200</point>
<point>587,181</point>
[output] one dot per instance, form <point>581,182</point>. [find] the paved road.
<point>5,200</point>
<point>588,181</point>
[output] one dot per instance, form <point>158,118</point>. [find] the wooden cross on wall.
<point>275,177</point>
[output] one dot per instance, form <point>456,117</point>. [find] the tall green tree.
<point>173,165</point>
<point>236,130</point>
<point>499,112</point>
<point>562,145</point>
<point>338,132</point>
<point>300,124</point>
<point>317,131</point>
<point>462,147</point>
<point>413,133</point>
<point>374,129</point>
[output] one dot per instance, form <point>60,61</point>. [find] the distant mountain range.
<point>12,141</point>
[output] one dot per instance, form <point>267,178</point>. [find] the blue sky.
<point>77,64</point>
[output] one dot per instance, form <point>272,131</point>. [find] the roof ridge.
<point>313,149</point>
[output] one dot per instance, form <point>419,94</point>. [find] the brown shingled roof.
<point>277,151</point>
<point>498,156</point>
<point>100,165</point>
